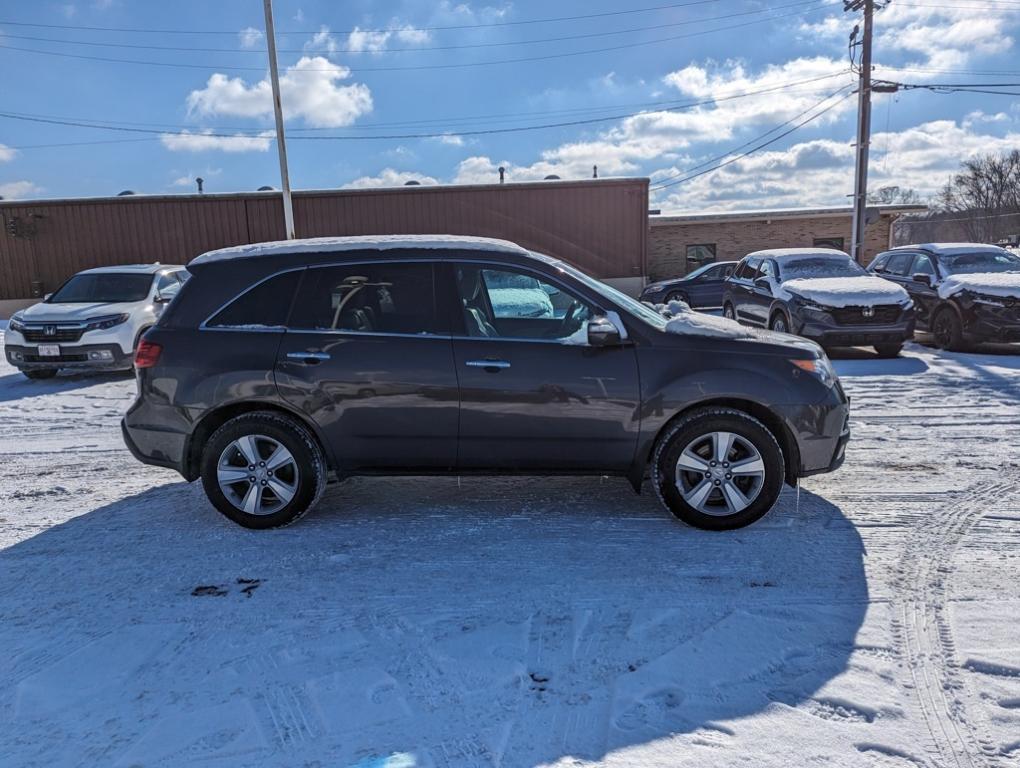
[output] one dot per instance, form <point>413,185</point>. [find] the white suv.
<point>94,320</point>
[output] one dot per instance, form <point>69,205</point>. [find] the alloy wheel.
<point>720,473</point>
<point>257,474</point>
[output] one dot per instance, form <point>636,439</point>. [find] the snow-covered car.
<point>93,321</point>
<point>964,292</point>
<point>821,294</point>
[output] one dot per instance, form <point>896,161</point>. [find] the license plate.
<point>49,350</point>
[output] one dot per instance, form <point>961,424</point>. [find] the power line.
<point>759,147</point>
<point>660,183</point>
<point>458,65</point>
<point>479,25</point>
<point>431,135</point>
<point>963,218</point>
<point>331,51</point>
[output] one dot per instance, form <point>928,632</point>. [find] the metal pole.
<point>863,138</point>
<point>281,143</point>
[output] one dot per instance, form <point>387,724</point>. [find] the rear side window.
<point>264,306</point>
<point>367,298</point>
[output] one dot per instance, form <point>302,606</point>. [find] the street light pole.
<point>863,131</point>
<point>281,142</point>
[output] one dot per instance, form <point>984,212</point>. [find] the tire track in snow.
<point>924,632</point>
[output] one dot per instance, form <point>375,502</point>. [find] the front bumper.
<point>990,323</point>
<point>826,331</point>
<point>80,356</point>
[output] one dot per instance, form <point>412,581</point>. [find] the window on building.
<point>700,255</point>
<point>367,298</point>
<point>830,242</point>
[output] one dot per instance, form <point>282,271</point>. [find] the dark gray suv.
<point>280,363</point>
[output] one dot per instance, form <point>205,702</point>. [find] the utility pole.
<point>863,126</point>
<point>281,143</point>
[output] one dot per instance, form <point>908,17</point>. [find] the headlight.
<point>16,323</point>
<point>654,288</point>
<point>102,323</point>
<point>907,303</point>
<point>819,367</point>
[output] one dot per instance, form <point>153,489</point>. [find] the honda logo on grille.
<point>50,330</point>
<point>868,311</point>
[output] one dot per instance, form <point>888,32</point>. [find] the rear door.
<point>707,289</point>
<point>367,357</point>
<point>534,394</point>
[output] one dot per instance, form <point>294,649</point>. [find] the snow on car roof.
<point>950,249</point>
<point>359,242</point>
<point>138,268</point>
<point>788,254</point>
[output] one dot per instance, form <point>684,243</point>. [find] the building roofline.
<point>342,191</point>
<point>779,213</point>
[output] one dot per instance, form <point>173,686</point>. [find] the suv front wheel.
<point>718,469</point>
<point>263,470</point>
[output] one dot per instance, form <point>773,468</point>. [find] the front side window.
<point>700,254</point>
<point>923,265</point>
<point>382,297</point>
<point>748,268</point>
<point>266,305</point>
<point>981,261</point>
<point>167,285</point>
<point>506,303</point>
<point>103,288</point>
<point>767,270</point>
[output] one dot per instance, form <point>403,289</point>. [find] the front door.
<point>366,357</point>
<point>534,394</point>
<point>925,296</point>
<point>742,289</point>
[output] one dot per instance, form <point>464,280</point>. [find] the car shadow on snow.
<point>16,386</point>
<point>490,621</point>
<point>864,361</point>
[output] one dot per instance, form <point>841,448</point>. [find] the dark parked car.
<point>821,294</point>
<point>701,288</point>
<point>281,362</point>
<point>964,292</point>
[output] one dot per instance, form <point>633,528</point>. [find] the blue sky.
<point>210,115</point>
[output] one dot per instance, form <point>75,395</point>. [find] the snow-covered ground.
<point>874,621</point>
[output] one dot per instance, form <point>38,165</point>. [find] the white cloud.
<point>322,42</point>
<point>13,190</point>
<point>250,37</point>
<point>204,141</point>
<point>390,177</point>
<point>310,90</point>
<point>6,153</point>
<point>820,172</point>
<point>450,139</point>
<point>377,40</point>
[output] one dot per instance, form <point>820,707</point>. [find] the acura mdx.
<point>279,364</point>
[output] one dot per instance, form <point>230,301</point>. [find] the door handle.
<point>498,365</point>
<point>308,358</point>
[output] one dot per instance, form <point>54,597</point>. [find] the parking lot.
<point>873,618</point>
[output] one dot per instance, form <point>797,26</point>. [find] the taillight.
<point>147,354</point>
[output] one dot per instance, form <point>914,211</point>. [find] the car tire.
<point>699,437</point>
<point>888,351</point>
<point>278,498</point>
<point>780,322</point>
<point>40,373</point>
<point>679,296</point>
<point>728,312</point>
<point>947,329</point>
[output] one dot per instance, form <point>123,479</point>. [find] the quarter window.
<point>505,303</point>
<point>367,298</point>
<point>264,306</point>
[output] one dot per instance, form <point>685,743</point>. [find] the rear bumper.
<point>80,356</point>
<point>157,447</point>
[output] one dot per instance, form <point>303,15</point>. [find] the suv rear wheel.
<point>718,469</point>
<point>263,470</point>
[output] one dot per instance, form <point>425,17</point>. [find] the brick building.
<point>681,243</point>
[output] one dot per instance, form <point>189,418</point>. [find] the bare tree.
<point>894,195</point>
<point>984,197</point>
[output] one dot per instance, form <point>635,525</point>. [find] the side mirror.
<point>923,278</point>
<point>159,299</point>
<point>602,332</point>
<point>763,284</point>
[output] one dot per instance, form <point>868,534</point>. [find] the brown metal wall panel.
<point>600,226</point>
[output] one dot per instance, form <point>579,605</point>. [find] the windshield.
<point>980,261</point>
<point>819,266</point>
<point>103,287</point>
<point>633,306</point>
